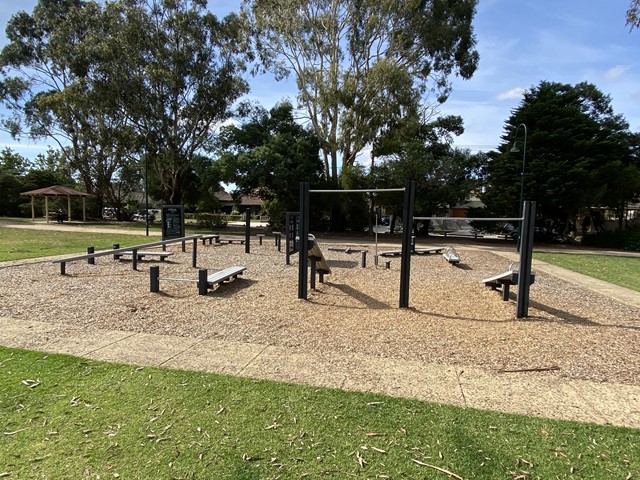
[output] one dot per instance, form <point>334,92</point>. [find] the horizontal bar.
<point>472,219</point>
<point>102,253</point>
<point>364,190</point>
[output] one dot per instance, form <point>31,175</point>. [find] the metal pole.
<point>146,190</point>
<point>526,255</point>
<point>304,241</point>
<point>524,162</point>
<point>247,231</point>
<point>405,259</point>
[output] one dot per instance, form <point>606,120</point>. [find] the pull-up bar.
<point>361,190</point>
<point>473,219</point>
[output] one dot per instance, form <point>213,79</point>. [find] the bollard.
<point>91,260</point>
<point>194,253</point>
<point>203,287</point>
<point>116,246</point>
<point>387,264</point>
<point>363,259</point>
<point>154,279</point>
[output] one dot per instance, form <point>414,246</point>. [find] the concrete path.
<point>538,394</point>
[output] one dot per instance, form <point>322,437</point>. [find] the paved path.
<point>539,394</point>
<point>526,393</point>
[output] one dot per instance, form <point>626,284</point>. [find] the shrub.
<point>211,220</point>
<point>628,239</point>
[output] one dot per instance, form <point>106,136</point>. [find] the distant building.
<point>228,204</point>
<point>461,209</point>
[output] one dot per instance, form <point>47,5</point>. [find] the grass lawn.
<point>65,417</point>
<point>623,271</point>
<point>17,244</point>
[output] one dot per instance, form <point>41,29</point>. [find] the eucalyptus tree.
<point>633,14</point>
<point>54,88</point>
<point>361,64</point>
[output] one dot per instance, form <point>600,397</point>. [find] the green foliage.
<point>270,154</point>
<point>123,82</point>
<point>66,417</point>
<point>579,154</point>
<point>363,65</point>
<point>627,239</point>
<point>211,220</point>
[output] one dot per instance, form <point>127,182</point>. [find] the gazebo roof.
<point>56,191</point>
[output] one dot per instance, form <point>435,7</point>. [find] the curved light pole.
<point>515,149</point>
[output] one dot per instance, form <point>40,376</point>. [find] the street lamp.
<point>515,149</point>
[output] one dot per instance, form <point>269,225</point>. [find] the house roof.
<point>56,191</point>
<point>245,200</point>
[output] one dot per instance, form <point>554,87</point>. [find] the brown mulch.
<point>453,318</point>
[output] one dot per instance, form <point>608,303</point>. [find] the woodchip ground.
<point>453,318</point>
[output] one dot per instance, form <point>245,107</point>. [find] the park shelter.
<point>57,191</point>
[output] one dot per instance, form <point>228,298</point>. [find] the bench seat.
<point>231,240</point>
<point>211,237</point>
<point>141,254</point>
<point>224,275</point>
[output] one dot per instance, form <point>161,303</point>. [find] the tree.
<point>271,153</point>
<point>574,140</point>
<point>183,74</point>
<point>362,64</point>
<point>413,150</point>
<point>60,92</point>
<point>117,83</point>
<point>633,14</point>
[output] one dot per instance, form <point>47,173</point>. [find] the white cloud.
<point>615,73</point>
<point>516,92</point>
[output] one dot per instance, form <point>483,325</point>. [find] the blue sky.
<point>521,43</point>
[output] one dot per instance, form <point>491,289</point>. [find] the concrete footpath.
<point>528,393</point>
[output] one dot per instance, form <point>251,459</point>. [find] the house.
<point>229,205</point>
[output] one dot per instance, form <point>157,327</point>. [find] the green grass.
<point>65,417</point>
<point>17,244</point>
<point>623,271</point>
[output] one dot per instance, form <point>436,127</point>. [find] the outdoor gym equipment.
<point>526,245</point>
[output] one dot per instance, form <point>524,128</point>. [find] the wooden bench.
<point>204,281</point>
<point>141,254</point>
<point>211,237</point>
<point>505,280</point>
<point>224,275</point>
<point>229,240</point>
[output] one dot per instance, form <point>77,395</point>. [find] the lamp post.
<point>515,149</point>
<point>146,191</point>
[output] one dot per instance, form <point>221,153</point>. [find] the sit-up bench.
<point>229,240</point>
<point>204,281</point>
<point>140,254</point>
<point>505,280</point>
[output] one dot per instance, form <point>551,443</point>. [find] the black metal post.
<point>313,273</point>
<point>405,259</point>
<point>146,190</point>
<point>304,241</point>
<point>154,279</point>
<point>134,258</point>
<point>203,287</point>
<point>116,246</point>
<point>247,231</point>
<point>91,260</point>
<point>194,253</point>
<point>526,255</point>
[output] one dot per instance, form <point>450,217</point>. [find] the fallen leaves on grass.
<point>451,474</point>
